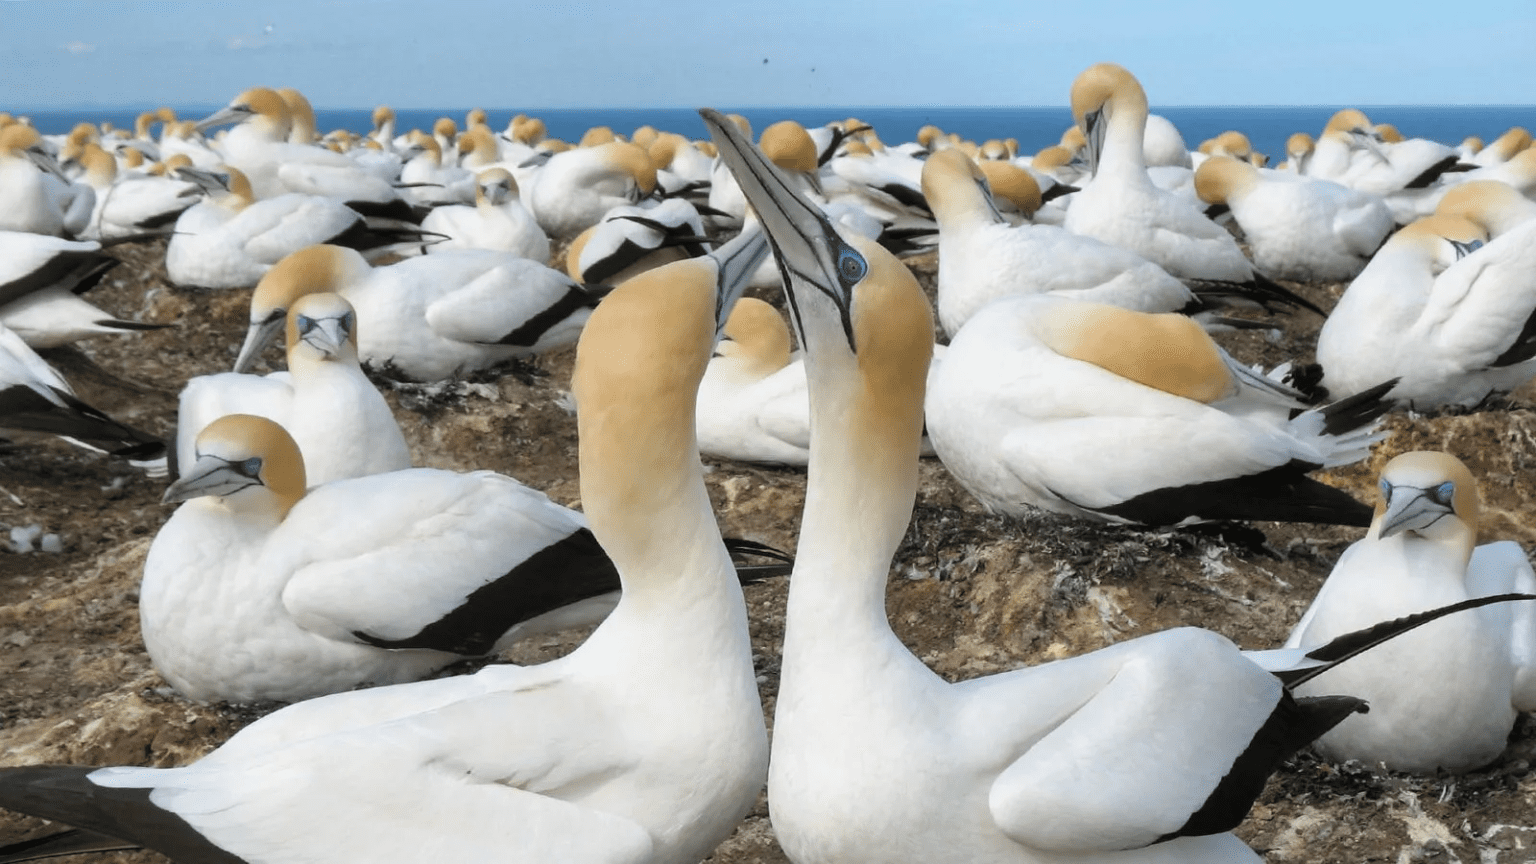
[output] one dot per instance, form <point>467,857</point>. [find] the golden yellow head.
<point>1219,178</point>
<point>446,128</point>
<point>1348,120</point>
<point>310,270</point>
<point>1013,184</point>
<point>789,146</point>
<point>1107,86</point>
<point>758,336</point>
<point>595,136</point>
<point>475,117</point>
<point>633,160</point>
<point>1430,470</point>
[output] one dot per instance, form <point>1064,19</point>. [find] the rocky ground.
<point>970,593</point>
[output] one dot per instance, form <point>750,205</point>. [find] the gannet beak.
<point>1093,133</point>
<point>210,475</point>
<point>228,114</point>
<point>39,157</point>
<point>737,261</point>
<point>257,338</point>
<point>209,181</point>
<point>1412,509</point>
<point>326,335</point>
<point>808,248</point>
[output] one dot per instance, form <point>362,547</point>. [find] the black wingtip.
<point>71,842</point>
<point>1354,412</point>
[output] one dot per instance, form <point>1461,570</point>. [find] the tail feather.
<point>71,842</point>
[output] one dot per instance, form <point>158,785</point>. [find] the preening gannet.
<point>341,424</point>
<point>1121,206</point>
<point>1441,309</point>
<point>1148,751</point>
<point>429,317</point>
<point>1301,228</point>
<point>1444,696</point>
<point>575,188</point>
<point>1100,412</point>
<point>982,257</point>
<point>645,745</point>
<point>497,221</point>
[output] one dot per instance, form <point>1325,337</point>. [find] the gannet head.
<point>1101,93</point>
<point>756,342</point>
<point>100,166</point>
<point>322,326</point>
<point>301,116</point>
<point>955,187</point>
<point>597,135</point>
<point>495,187</point>
<point>1299,145</point>
<point>249,462</point>
<point>1012,184</point>
<point>1472,144</point>
<point>20,141</point>
<point>382,114</point>
<point>262,107</point>
<point>1515,140</point>
<point>1430,494</point>
<point>446,128</point>
<point>225,184</point>
<point>1221,178</point>
<point>1388,133</point>
<point>476,117</point>
<point>663,146</point>
<point>530,131</point>
<point>629,159</point>
<point>644,136</point>
<point>789,146</point>
<point>1490,205</point>
<point>1440,240</point>
<point>310,270</point>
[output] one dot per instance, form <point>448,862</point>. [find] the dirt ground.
<point>970,593</point>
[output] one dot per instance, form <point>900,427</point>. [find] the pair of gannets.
<point>340,423</point>
<point>1442,306</point>
<point>1299,228</point>
<point>1147,751</point>
<point>1445,696</point>
<point>645,744</point>
<point>1121,206</point>
<point>231,240</point>
<point>429,317</point>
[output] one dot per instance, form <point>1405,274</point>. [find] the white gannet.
<point>630,240</point>
<point>575,188</point>
<point>1162,144</point>
<point>342,426</point>
<point>1039,395</point>
<point>425,180</point>
<point>429,317</point>
<point>28,200</point>
<point>1443,696</point>
<point>1121,206</point>
<point>35,398</point>
<point>645,745</point>
<point>1300,228</point>
<point>41,280</point>
<point>982,257</point>
<point>497,221</point>
<point>1514,141</point>
<point>1147,751</point>
<point>1441,309</point>
<point>131,205</point>
<point>231,239</point>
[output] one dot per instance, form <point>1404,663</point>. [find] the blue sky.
<point>679,53</point>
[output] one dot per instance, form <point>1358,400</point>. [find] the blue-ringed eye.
<point>251,467</point>
<point>348,321</point>
<point>1386,489</point>
<point>850,266</point>
<point>305,323</point>
<point>1444,493</point>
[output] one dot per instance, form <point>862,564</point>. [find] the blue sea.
<point>1267,126</point>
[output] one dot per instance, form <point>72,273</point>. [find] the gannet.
<point>231,240</point>
<point>1147,751</point>
<point>498,221</point>
<point>1445,696</point>
<point>1038,396</point>
<point>28,201</point>
<point>1441,309</point>
<point>1300,228</point>
<point>1514,141</point>
<point>575,188</point>
<point>982,257</point>
<point>1162,144</point>
<point>644,745</point>
<point>341,424</point>
<point>35,398</point>
<point>425,180</point>
<point>41,280</point>
<point>630,240</point>
<point>1121,206</point>
<point>429,317</point>
<point>131,205</point>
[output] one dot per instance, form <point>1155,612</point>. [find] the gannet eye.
<point>1443,493</point>
<point>251,467</point>
<point>850,266</point>
<point>1386,489</point>
<point>305,323</point>
<point>348,321</point>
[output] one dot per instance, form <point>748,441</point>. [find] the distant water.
<point>1035,127</point>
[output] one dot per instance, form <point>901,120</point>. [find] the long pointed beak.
<point>208,476</point>
<point>209,181</point>
<point>257,337</point>
<point>1093,134</point>
<point>1411,509</point>
<point>806,245</point>
<point>737,261</point>
<point>46,163</point>
<point>227,114</point>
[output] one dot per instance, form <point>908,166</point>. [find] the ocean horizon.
<point>1267,126</point>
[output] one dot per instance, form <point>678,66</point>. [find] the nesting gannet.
<point>1147,751</point>
<point>342,426</point>
<point>575,188</point>
<point>429,317</point>
<point>231,240</point>
<point>27,200</point>
<point>982,257</point>
<point>41,280</point>
<point>1299,228</point>
<point>1441,309</point>
<point>1444,696</point>
<point>425,180</point>
<point>1038,396</point>
<point>630,240</point>
<point>1121,206</point>
<point>644,745</point>
<point>131,205</point>
<point>498,221</point>
<point>35,398</point>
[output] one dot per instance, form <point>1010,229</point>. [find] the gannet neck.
<point>641,357</point>
<point>956,191</point>
<point>1111,109</point>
